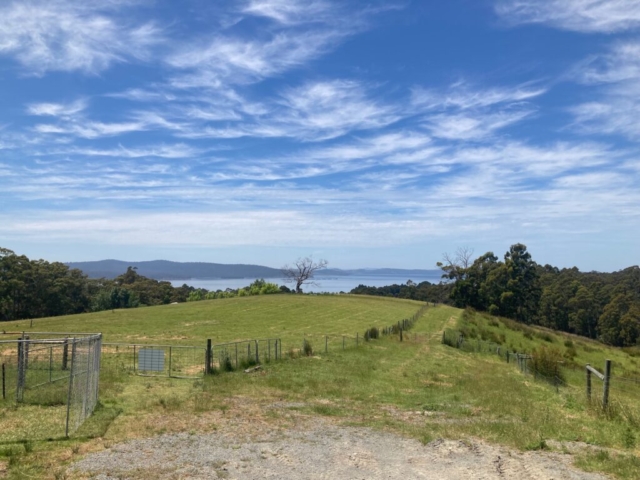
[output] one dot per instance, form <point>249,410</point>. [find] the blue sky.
<point>372,134</point>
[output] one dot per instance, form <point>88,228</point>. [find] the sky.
<point>368,133</point>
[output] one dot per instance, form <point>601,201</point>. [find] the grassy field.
<point>288,317</point>
<point>418,388</point>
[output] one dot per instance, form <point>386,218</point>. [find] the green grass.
<point>418,388</point>
<point>288,317</point>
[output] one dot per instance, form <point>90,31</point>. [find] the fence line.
<point>526,365</point>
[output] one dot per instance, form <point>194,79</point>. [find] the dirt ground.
<point>316,448</point>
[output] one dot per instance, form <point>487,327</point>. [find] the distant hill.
<point>381,272</point>
<point>166,270</point>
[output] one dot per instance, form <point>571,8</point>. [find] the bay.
<point>329,284</point>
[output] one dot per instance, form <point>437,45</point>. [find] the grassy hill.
<point>419,387</point>
<point>288,317</point>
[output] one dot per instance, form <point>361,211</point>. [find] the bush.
<point>546,361</point>
<point>372,333</point>
<point>545,336</point>
<point>226,365</point>
<point>568,343</point>
<point>307,348</point>
<point>468,313</point>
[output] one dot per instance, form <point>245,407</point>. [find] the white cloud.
<point>321,110</point>
<point>225,60</point>
<point>607,16</point>
<point>462,112</point>
<point>67,35</point>
<point>179,150</point>
<point>616,102</point>
<point>290,12</point>
<point>463,96</point>
<point>470,126</point>
<point>57,109</point>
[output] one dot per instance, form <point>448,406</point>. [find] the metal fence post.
<point>257,354</point>
<point>607,379</point>
<point>4,392</point>
<point>70,393</point>
<point>21,372</point>
<point>326,344</point>
<point>65,353</point>
<point>170,359</point>
<point>588,383</point>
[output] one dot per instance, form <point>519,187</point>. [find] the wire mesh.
<point>56,370</point>
<point>176,361</point>
<point>83,380</point>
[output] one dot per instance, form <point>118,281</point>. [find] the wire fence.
<point>624,391</point>
<point>176,361</point>
<point>53,369</point>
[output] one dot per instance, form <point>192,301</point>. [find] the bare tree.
<point>454,266</point>
<point>302,271</point>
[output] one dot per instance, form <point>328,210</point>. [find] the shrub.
<point>494,323</point>
<point>546,361</point>
<point>307,348</point>
<point>468,313</point>
<point>528,335</point>
<point>570,353</point>
<point>545,336</point>
<point>372,333</point>
<point>568,343</point>
<point>226,365</point>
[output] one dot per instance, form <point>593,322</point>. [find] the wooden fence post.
<point>326,344</point>
<point>4,392</point>
<point>208,359</point>
<point>607,378</point>
<point>588,383</point>
<point>257,354</point>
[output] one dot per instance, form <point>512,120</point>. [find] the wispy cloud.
<point>616,100</point>
<point>57,109</point>
<point>463,112</point>
<point>66,35</point>
<point>179,150</point>
<point>290,12</point>
<point>587,16</point>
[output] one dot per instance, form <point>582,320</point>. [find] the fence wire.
<point>175,361</point>
<point>59,370</point>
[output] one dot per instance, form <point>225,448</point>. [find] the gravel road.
<point>320,451</point>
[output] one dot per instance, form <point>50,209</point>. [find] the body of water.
<point>332,284</point>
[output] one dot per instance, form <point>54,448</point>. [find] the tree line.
<point>603,306</point>
<point>37,288</point>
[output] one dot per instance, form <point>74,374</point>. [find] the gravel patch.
<point>320,451</point>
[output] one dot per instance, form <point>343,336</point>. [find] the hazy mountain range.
<point>166,270</point>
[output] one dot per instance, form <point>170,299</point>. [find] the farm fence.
<point>56,369</point>
<point>620,388</point>
<point>179,361</point>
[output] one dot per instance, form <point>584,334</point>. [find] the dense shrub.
<point>546,361</point>
<point>371,334</point>
<point>307,348</point>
